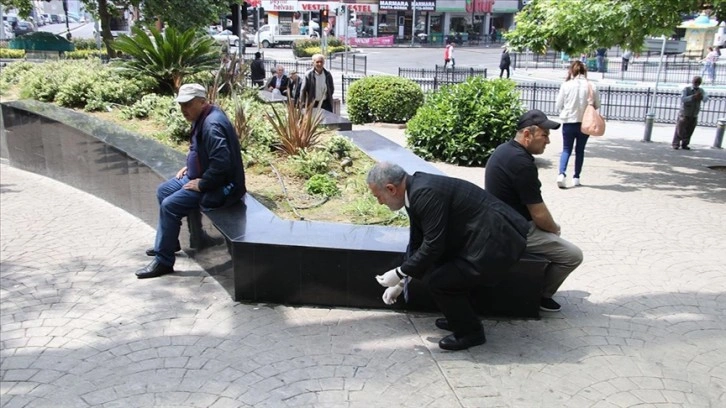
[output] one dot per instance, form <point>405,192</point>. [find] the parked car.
<point>23,27</point>
<point>46,18</point>
<point>227,37</point>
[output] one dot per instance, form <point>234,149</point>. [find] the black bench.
<point>254,254</point>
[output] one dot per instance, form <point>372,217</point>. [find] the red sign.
<point>313,6</point>
<point>370,41</point>
<point>479,6</point>
<point>360,8</point>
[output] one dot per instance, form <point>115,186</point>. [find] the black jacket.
<point>220,160</point>
<point>257,70</point>
<point>283,83</point>
<point>505,61</point>
<point>307,93</point>
<point>453,220</point>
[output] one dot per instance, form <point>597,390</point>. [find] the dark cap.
<point>536,117</point>
<point>258,55</point>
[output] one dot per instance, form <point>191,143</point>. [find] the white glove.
<point>391,294</point>
<point>390,278</point>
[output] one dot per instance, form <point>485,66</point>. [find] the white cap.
<point>187,92</point>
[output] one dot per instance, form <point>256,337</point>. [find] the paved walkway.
<point>643,320</point>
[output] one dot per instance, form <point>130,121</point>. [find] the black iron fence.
<point>623,104</point>
<point>627,104</point>
<point>675,68</point>
<point>353,62</point>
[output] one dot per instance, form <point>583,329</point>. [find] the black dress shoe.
<point>153,270</point>
<point>152,252</point>
<point>685,148</point>
<point>443,324</point>
<point>453,342</point>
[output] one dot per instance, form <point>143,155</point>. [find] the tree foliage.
<point>185,14</point>
<point>575,26</point>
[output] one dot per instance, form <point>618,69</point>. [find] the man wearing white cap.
<point>213,176</point>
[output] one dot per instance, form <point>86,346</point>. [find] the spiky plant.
<point>297,128</point>
<point>167,57</point>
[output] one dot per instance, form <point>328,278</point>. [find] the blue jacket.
<point>223,177</point>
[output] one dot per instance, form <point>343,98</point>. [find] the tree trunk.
<point>105,17</point>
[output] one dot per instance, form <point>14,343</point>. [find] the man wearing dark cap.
<point>213,176</point>
<point>511,175</point>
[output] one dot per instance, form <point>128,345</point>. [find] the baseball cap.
<point>536,117</point>
<point>187,92</point>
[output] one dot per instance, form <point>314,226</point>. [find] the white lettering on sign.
<point>393,4</point>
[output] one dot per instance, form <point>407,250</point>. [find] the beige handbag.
<point>592,123</point>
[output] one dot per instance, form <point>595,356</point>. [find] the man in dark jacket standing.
<point>504,62</point>
<point>460,237</point>
<point>257,70</point>
<point>213,176</point>
<point>317,86</point>
<point>691,99</point>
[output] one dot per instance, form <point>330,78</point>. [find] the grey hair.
<point>384,173</point>
<point>317,57</point>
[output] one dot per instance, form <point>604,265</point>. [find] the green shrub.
<point>11,54</point>
<point>339,146</point>
<point>383,99</point>
<point>84,43</point>
<point>84,54</point>
<point>140,109</point>
<point>310,47</point>
<point>43,81</point>
<point>463,123</point>
<point>13,72</point>
<point>311,162</point>
<point>322,184</point>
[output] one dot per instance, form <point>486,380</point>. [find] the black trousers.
<point>684,130</point>
<point>450,286</point>
<point>501,72</point>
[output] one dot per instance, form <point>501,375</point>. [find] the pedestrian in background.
<point>691,99</point>
<point>257,71</point>
<point>571,102</point>
<point>709,64</point>
<point>504,62</point>
<point>600,55</point>
<point>627,54</point>
<point>449,54</point>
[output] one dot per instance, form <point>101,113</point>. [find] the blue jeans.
<point>571,135</point>
<point>174,204</point>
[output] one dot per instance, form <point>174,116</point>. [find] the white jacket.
<point>572,99</point>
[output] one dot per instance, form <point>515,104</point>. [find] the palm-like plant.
<point>167,57</point>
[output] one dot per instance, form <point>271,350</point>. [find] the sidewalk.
<point>643,320</point>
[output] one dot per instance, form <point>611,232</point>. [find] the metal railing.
<point>675,69</point>
<point>626,104</point>
<point>622,104</point>
<point>355,62</point>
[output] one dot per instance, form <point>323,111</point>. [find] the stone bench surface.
<point>272,260</point>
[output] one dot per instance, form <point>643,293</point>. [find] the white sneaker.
<point>576,182</point>
<point>561,182</point>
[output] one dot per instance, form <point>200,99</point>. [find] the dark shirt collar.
<point>517,145</point>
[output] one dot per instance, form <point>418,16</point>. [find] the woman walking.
<point>571,102</point>
<point>504,62</point>
<point>709,65</point>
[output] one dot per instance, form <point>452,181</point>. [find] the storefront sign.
<point>279,5</point>
<point>370,41</point>
<point>363,8</point>
<point>404,5</point>
<point>465,6</point>
<point>479,6</point>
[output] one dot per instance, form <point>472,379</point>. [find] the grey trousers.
<point>563,255</point>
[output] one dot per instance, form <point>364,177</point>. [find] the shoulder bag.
<point>593,123</point>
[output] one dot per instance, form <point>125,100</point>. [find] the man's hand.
<point>391,294</point>
<point>389,279</point>
<point>192,185</point>
<point>181,173</point>
<point>698,95</point>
